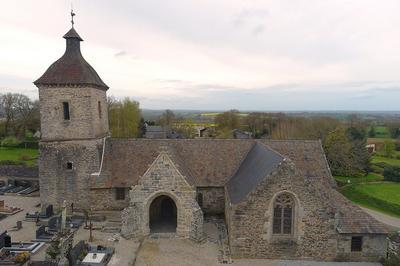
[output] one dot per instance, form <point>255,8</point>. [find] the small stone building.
<point>278,198</point>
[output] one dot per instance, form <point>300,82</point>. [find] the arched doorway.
<point>162,214</point>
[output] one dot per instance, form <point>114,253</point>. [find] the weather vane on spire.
<point>72,16</point>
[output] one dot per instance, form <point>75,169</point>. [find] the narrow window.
<point>200,199</point>
<point>356,243</point>
<point>99,108</point>
<point>70,165</point>
<point>66,110</point>
<point>120,193</point>
<point>283,215</point>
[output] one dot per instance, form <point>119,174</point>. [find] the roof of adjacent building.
<point>239,165</point>
<point>71,69</point>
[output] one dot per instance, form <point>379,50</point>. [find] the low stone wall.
<point>19,171</point>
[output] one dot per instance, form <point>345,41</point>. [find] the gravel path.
<point>393,222</point>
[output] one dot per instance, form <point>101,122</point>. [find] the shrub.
<point>392,173</point>
<point>376,169</point>
<point>392,260</point>
<point>25,157</point>
<point>10,142</point>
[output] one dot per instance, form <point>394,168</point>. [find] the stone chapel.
<point>278,198</point>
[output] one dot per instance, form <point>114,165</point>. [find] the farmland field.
<point>26,156</point>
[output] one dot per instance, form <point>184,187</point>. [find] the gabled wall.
<point>250,221</point>
<point>163,178</point>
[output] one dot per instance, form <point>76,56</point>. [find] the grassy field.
<point>380,159</point>
<point>382,132</point>
<point>27,156</point>
<point>384,197</point>
<point>371,177</point>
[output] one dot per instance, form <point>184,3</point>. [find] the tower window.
<point>66,110</point>
<point>70,165</point>
<point>99,108</point>
<point>356,243</point>
<point>120,193</point>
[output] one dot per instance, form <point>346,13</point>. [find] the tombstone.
<point>54,223</point>
<point>19,225</point>
<point>40,231</point>
<point>2,236</point>
<point>7,241</point>
<point>49,211</point>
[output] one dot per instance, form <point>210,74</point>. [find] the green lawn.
<point>27,156</point>
<point>371,177</point>
<point>390,161</point>
<point>382,132</point>
<point>389,192</point>
<point>384,197</point>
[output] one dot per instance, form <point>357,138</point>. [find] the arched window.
<point>283,214</point>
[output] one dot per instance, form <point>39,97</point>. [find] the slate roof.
<point>240,165</point>
<point>259,163</point>
<point>71,69</point>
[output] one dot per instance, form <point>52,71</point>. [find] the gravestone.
<point>40,232</point>
<point>7,241</point>
<point>2,236</point>
<point>49,211</point>
<point>19,225</point>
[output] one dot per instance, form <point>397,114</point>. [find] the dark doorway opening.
<point>163,215</point>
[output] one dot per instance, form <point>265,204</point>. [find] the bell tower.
<point>74,125</point>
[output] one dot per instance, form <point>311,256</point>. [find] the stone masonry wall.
<point>85,121</point>
<point>57,183</point>
<point>162,178</point>
<point>374,247</point>
<point>250,221</point>
<point>213,199</point>
<point>105,199</point>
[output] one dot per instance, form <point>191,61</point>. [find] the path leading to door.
<point>393,222</point>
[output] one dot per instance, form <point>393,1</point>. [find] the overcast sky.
<point>216,54</point>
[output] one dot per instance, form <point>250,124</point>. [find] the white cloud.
<point>255,54</point>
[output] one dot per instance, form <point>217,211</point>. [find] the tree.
<point>167,119</point>
<point>392,173</point>
<point>372,132</point>
<point>389,147</point>
<point>394,129</point>
<point>8,104</point>
<point>124,118</point>
<point>21,114</point>
<point>185,129</point>
<point>341,155</point>
<point>228,120</point>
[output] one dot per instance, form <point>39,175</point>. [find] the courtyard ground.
<point>182,252</point>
